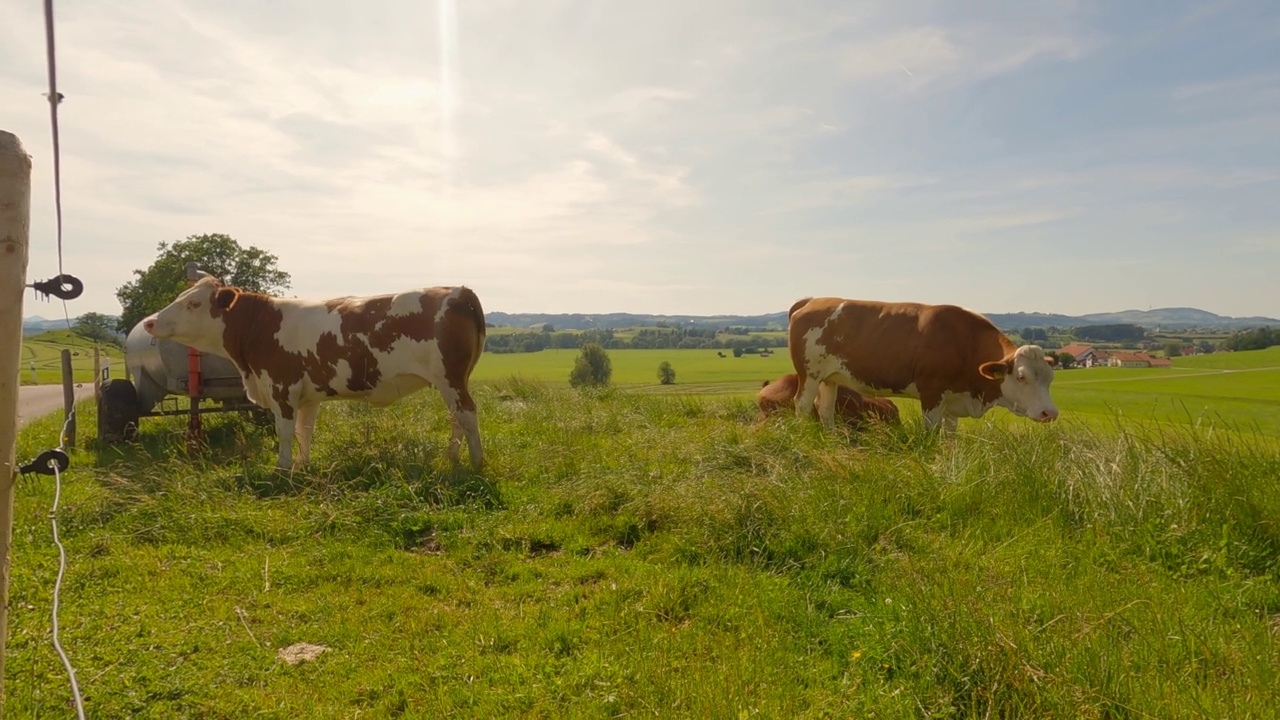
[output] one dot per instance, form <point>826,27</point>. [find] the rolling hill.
<point>1163,318</point>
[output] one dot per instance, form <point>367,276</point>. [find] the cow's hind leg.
<point>806,392</point>
<point>827,403</point>
<point>462,416</point>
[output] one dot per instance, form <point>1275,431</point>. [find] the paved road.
<point>38,400</point>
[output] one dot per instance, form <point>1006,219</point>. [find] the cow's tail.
<point>468,304</point>
<point>797,305</point>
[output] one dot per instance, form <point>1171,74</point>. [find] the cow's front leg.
<point>284,432</point>
<point>932,415</point>
<point>306,426</point>
<point>938,419</point>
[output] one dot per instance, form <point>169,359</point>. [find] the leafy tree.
<point>1256,339</point>
<point>592,368</point>
<point>217,254</point>
<point>1065,359</point>
<point>1204,346</point>
<point>666,373</point>
<point>96,327</point>
<point>1172,348</point>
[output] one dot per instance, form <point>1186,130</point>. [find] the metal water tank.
<point>159,368</point>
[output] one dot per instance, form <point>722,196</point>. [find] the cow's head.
<point>1024,375</point>
<point>195,317</point>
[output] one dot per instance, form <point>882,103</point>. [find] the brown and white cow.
<point>851,407</point>
<point>294,354</point>
<point>955,361</point>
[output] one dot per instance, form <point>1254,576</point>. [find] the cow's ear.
<point>225,298</point>
<point>994,370</point>
<point>1051,360</point>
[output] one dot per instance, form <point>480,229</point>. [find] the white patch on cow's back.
<point>445,302</point>
<point>303,323</point>
<point>406,303</point>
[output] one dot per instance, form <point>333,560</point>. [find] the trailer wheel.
<point>117,411</point>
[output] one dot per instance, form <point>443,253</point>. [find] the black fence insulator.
<point>44,463</point>
<point>64,287</point>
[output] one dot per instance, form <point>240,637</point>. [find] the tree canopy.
<point>217,254</point>
<point>666,373</point>
<point>96,327</point>
<point>593,368</point>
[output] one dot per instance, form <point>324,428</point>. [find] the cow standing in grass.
<point>294,354</point>
<point>852,408</point>
<point>953,360</point>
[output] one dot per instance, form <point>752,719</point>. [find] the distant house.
<point>1086,355</point>
<point>1121,358</point>
<point>1075,350</point>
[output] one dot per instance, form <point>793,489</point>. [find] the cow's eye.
<point>193,305</point>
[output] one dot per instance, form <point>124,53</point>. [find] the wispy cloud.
<point>932,54</point>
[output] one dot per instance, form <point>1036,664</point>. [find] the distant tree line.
<point>1034,334</point>
<point>660,338</point>
<point>1122,332</point>
<point>1258,339</point>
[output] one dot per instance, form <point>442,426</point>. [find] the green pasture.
<point>629,555</point>
<point>45,350</point>
<point>1240,390</point>
<point>697,371</point>
<point>1248,359</point>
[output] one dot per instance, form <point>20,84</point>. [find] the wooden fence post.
<point>15,226</point>
<point>68,400</point>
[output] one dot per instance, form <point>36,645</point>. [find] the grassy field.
<point>45,351</point>
<point>697,371</point>
<point>630,554</point>
<point>1227,389</point>
<point>1235,389</point>
<point>1239,389</point>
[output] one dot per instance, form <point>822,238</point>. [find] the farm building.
<point>1122,358</point>
<point>1086,355</point>
<point>1090,356</point>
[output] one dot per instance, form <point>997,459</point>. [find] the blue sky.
<point>724,156</point>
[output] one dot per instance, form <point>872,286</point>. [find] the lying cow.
<point>294,354</point>
<point>852,408</point>
<point>955,361</point>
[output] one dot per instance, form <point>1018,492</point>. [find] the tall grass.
<point>627,554</point>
